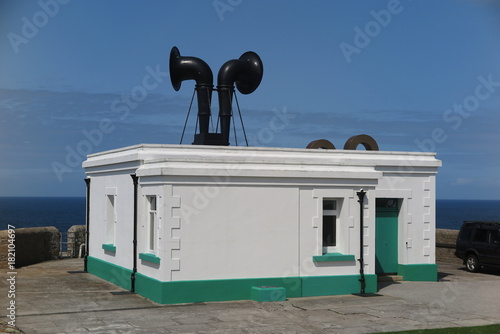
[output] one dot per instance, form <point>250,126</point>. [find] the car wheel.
<point>472,263</point>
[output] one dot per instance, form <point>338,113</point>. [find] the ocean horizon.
<point>64,212</point>
<point>60,212</point>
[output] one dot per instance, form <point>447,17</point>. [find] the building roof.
<point>196,160</point>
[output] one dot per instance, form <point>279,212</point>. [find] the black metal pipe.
<point>192,68</point>
<point>87,231</point>
<point>225,111</point>
<point>247,73</point>
<point>135,179</point>
<point>361,197</point>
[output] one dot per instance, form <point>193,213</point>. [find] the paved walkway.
<point>50,300</point>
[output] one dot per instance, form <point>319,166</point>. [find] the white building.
<point>227,223</point>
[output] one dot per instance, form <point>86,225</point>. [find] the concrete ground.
<point>51,300</point>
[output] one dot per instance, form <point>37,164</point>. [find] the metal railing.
<point>69,245</point>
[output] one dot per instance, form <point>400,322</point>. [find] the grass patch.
<point>455,330</point>
<point>6,328</point>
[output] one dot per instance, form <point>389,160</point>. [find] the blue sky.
<point>415,75</point>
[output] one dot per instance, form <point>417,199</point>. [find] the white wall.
<point>417,217</point>
<point>121,186</point>
<point>237,232</point>
<point>256,212</point>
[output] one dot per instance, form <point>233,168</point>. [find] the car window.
<point>465,234</point>
<point>481,235</point>
<point>495,236</point>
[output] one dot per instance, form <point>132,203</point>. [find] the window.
<point>386,203</point>
<point>495,236</point>
<point>152,216</point>
<point>481,235</point>
<point>110,219</point>
<point>329,224</point>
<point>465,234</point>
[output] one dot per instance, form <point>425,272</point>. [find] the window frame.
<point>110,235</point>
<point>152,224</point>
<point>335,213</point>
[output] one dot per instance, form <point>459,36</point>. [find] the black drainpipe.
<point>134,241</point>
<point>87,232</point>
<point>361,196</point>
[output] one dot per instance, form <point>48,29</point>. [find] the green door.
<point>386,240</point>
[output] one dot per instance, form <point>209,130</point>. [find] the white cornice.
<point>194,160</point>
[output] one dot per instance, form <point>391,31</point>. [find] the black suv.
<point>478,244</point>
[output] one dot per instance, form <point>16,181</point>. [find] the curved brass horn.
<point>321,143</point>
<point>367,141</point>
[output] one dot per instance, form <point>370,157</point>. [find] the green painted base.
<point>241,289</point>
<point>210,290</point>
<point>337,285</point>
<point>110,272</point>
<point>418,272</point>
<point>268,293</point>
<point>227,289</point>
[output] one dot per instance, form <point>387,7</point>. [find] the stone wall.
<point>33,245</point>
<point>76,237</point>
<point>445,246</point>
<point>4,248</point>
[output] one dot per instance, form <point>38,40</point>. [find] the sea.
<point>64,212</point>
<point>61,212</point>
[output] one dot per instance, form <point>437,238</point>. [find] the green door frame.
<point>386,240</point>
